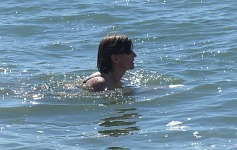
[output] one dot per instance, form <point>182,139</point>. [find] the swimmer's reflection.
<point>123,124</point>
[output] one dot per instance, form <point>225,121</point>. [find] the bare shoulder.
<point>96,74</point>
<point>96,83</point>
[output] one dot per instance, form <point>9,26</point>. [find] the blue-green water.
<point>181,95</point>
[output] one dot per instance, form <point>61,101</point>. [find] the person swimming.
<point>115,57</point>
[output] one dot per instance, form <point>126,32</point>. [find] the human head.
<point>109,45</point>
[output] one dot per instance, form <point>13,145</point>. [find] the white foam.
<point>176,126</point>
<point>175,86</point>
<point>174,123</point>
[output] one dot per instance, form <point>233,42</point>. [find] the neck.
<point>114,78</point>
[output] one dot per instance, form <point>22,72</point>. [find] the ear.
<point>114,58</point>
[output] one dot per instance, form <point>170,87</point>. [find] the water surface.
<point>181,94</point>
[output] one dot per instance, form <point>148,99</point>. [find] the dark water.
<point>181,94</point>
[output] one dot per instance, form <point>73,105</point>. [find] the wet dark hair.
<point>109,45</point>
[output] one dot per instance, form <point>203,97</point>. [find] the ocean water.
<point>181,94</point>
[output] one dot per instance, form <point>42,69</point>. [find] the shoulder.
<point>96,74</point>
<point>96,83</point>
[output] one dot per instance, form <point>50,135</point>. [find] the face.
<point>126,61</point>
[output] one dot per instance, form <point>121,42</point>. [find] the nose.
<point>134,54</point>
